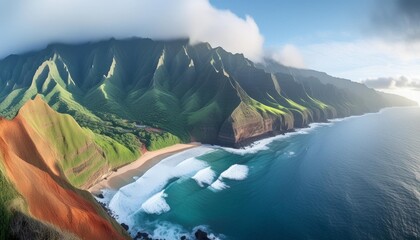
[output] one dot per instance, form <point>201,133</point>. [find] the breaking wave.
<point>204,176</point>
<point>235,172</point>
<point>156,204</point>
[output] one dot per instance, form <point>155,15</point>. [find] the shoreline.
<point>124,175</point>
<point>250,142</point>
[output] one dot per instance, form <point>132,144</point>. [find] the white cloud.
<point>26,24</point>
<point>289,55</point>
<point>393,83</point>
<point>363,59</point>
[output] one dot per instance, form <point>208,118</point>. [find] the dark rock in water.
<point>183,238</point>
<point>201,235</point>
<point>100,195</point>
<point>125,226</point>
<point>142,236</point>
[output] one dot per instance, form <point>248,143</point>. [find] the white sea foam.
<point>218,185</point>
<point>263,144</point>
<point>168,230</point>
<point>334,120</point>
<point>254,148</point>
<point>316,125</point>
<point>156,204</point>
<point>128,200</point>
<point>188,167</point>
<point>204,176</point>
<point>235,172</point>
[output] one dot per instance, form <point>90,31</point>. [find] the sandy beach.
<point>125,175</point>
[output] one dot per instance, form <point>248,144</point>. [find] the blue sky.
<point>372,41</point>
<point>303,21</point>
<point>348,39</point>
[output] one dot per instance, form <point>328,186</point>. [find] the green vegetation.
<point>185,92</point>
<point>82,153</point>
<point>27,227</point>
<point>8,194</point>
<point>156,141</point>
<point>118,153</point>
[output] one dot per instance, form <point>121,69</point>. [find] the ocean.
<point>353,178</point>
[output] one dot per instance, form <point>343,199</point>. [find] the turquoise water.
<point>358,178</point>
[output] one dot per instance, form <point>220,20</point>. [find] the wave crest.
<point>235,172</point>
<point>156,204</point>
<point>204,176</point>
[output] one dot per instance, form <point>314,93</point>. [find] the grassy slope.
<point>8,194</point>
<point>82,153</point>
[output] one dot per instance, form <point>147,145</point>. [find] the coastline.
<point>122,176</point>
<point>149,161</point>
<point>250,142</point>
<point>125,175</point>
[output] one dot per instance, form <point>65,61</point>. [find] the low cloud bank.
<point>392,83</point>
<point>28,24</point>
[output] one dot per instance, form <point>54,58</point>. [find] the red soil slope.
<point>31,165</point>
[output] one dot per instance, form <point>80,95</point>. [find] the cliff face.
<point>195,92</point>
<point>31,164</point>
<point>251,120</point>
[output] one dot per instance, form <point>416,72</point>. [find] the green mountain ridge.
<point>196,93</point>
<point>319,84</point>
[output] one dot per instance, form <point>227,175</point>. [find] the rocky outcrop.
<point>247,124</point>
